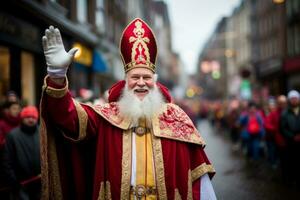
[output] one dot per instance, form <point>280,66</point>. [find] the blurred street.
<point>236,178</point>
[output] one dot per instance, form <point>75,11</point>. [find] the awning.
<point>99,64</point>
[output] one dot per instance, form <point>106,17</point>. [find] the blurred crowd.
<point>263,131</point>
<point>19,149</point>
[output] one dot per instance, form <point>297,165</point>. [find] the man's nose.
<point>141,81</point>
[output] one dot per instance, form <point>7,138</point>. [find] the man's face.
<point>14,110</point>
<point>294,101</point>
<point>30,121</point>
<point>140,81</point>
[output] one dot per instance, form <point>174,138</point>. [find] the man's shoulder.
<point>173,123</point>
<point>111,113</point>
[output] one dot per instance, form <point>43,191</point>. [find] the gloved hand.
<point>57,59</point>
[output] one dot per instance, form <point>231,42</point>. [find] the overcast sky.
<point>193,21</point>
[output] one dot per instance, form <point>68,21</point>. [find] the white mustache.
<point>141,88</point>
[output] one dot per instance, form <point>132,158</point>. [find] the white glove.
<point>57,59</point>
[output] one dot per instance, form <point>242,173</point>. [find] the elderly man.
<point>137,146</point>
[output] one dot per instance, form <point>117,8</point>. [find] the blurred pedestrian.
<point>21,157</point>
<point>290,128</point>
<point>232,121</point>
<point>254,130</point>
<point>11,119</point>
<point>271,126</point>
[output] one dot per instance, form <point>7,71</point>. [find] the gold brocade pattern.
<point>177,195</point>
<point>101,195</point>
<point>201,170</point>
<point>82,119</point>
<point>53,92</point>
<point>139,48</point>
<point>110,112</point>
<point>55,184</point>
<point>50,181</point>
<point>44,161</point>
<point>190,186</point>
<point>126,165</point>
<point>104,192</point>
<point>107,191</point>
<point>173,123</point>
<point>159,168</point>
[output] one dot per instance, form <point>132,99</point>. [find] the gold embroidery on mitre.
<point>139,52</point>
<point>139,44</point>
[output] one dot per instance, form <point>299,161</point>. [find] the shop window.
<point>4,69</point>
<point>27,78</point>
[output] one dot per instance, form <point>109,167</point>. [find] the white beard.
<point>134,108</point>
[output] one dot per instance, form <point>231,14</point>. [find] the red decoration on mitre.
<point>138,46</point>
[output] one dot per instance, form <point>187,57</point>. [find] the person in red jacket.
<point>274,139</point>
<point>11,119</point>
<point>272,126</point>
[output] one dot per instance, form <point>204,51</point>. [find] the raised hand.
<point>57,59</point>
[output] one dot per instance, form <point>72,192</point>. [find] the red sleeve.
<point>62,112</point>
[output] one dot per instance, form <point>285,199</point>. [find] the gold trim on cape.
<point>107,190</point>
<point>177,195</point>
<point>201,170</point>
<point>54,92</point>
<point>101,195</point>
<point>159,168</point>
<point>50,178</point>
<point>82,120</point>
<point>104,192</point>
<point>190,186</point>
<point>126,165</point>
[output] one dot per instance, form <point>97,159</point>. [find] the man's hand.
<point>57,59</point>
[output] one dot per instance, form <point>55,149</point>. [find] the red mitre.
<point>138,46</point>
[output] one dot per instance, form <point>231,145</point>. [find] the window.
<point>4,68</point>
<point>28,77</point>
<point>82,11</point>
<point>100,17</point>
